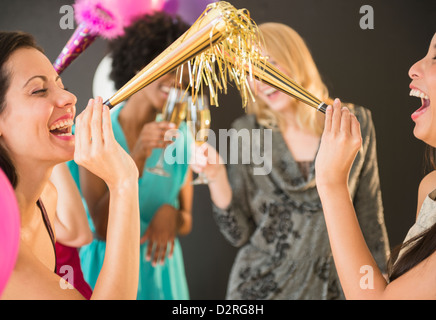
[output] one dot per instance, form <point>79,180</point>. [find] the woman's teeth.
<point>62,128</point>
<point>165,89</point>
<point>418,93</point>
<point>269,92</point>
<point>425,100</point>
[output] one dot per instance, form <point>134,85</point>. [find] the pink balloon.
<point>9,230</point>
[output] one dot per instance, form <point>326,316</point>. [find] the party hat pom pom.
<point>129,10</point>
<point>95,18</point>
<point>100,17</point>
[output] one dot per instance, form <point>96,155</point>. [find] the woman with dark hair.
<point>36,118</point>
<point>412,267</point>
<point>165,202</point>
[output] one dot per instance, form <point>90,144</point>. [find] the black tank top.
<point>48,226</point>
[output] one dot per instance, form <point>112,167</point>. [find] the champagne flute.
<point>174,111</point>
<point>198,119</point>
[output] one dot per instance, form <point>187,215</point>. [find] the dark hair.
<point>430,159</point>
<point>9,43</point>
<point>419,247</point>
<point>143,41</point>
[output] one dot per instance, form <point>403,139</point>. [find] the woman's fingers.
<point>77,144</point>
<point>149,250</point>
<point>157,252</point>
<point>96,122</point>
<point>170,254</point>
<point>81,133</point>
<point>345,126</point>
<point>336,117</point>
<point>161,254</point>
<point>328,119</point>
<point>355,126</point>
<point>108,134</point>
<point>339,145</point>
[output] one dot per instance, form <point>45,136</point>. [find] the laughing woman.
<point>277,219</point>
<point>36,116</point>
<point>412,274</point>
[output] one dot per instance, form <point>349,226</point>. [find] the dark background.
<point>366,67</point>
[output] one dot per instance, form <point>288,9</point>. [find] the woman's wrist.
<point>140,156</point>
<point>331,182</point>
<point>330,189</point>
<point>219,173</point>
<point>220,189</point>
<point>124,185</point>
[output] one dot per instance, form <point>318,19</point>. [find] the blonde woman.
<point>277,219</point>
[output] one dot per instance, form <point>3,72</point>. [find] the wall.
<point>366,67</point>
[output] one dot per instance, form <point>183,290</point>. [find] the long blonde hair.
<point>290,52</point>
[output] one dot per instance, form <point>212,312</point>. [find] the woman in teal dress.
<point>165,202</point>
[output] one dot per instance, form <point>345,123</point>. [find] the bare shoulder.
<point>32,280</point>
<point>429,182</point>
<point>419,283</point>
<point>427,185</point>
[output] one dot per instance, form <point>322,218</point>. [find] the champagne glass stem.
<point>174,112</point>
<point>160,162</point>
<point>158,168</point>
<point>201,179</point>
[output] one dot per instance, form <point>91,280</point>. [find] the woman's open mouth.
<point>425,102</point>
<point>165,88</point>
<point>62,129</point>
<point>270,92</point>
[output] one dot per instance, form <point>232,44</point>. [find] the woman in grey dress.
<point>276,218</point>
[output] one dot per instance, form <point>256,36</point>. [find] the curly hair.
<point>143,41</point>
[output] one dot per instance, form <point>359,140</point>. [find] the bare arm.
<point>95,190</point>
<point>71,223</point>
<point>98,151</point>
<point>208,161</point>
<point>359,275</point>
<point>167,222</point>
<point>96,194</point>
<point>367,198</point>
<point>232,215</point>
<point>151,136</point>
<point>185,211</point>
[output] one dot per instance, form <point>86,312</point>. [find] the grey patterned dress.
<point>278,223</point>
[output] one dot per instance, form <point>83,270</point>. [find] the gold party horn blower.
<point>272,76</point>
<point>275,78</point>
<point>223,45</point>
<point>210,28</point>
<point>220,28</point>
